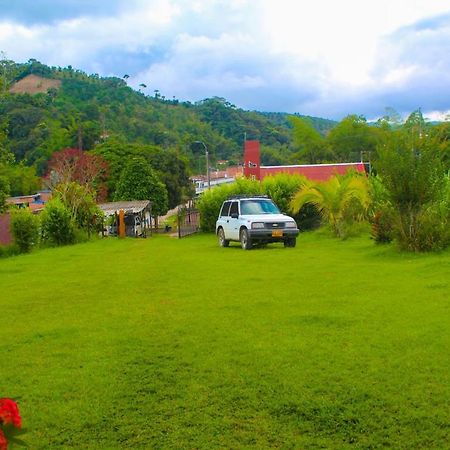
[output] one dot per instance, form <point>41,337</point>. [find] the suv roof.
<point>245,196</point>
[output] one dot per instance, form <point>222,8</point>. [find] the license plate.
<point>277,233</point>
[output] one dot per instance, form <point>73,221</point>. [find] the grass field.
<point>179,344</point>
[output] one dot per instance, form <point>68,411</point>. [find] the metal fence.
<point>188,219</point>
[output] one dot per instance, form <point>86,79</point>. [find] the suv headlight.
<point>258,225</point>
<point>291,225</point>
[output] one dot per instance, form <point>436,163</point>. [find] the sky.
<point>324,58</point>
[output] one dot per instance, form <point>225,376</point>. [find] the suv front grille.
<point>274,225</point>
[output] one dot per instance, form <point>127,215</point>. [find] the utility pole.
<point>208,176</point>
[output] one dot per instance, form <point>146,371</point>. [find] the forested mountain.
<point>323,126</point>
<point>87,109</point>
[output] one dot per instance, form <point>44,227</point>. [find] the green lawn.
<point>180,344</point>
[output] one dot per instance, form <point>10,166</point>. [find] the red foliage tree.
<point>72,164</point>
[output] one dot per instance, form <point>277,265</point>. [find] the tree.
<point>310,145</point>
<point>6,159</point>
<point>80,201</point>
<point>76,165</point>
<point>392,117</point>
<point>25,227</point>
<point>282,187</point>
<point>139,181</point>
<point>4,193</point>
<point>22,179</point>
<point>172,168</point>
<point>335,198</point>
<point>351,138</point>
<point>441,132</point>
<point>410,165</point>
<point>8,71</point>
<point>274,156</point>
<point>58,227</point>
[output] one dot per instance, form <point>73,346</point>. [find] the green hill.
<point>44,109</point>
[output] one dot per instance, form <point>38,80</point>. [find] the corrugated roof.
<point>134,206</point>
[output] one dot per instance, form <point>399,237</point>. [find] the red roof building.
<point>315,172</point>
<point>36,202</point>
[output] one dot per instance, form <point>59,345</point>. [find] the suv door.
<point>233,222</point>
<point>224,218</point>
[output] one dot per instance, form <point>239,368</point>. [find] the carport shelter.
<point>138,216</point>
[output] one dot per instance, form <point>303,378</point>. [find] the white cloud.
<point>399,75</point>
<point>324,58</point>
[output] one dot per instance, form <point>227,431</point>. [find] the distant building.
<point>36,202</point>
<point>217,178</point>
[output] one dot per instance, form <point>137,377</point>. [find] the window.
<point>249,207</point>
<point>234,208</point>
<point>225,209</point>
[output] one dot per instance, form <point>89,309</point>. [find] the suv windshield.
<point>250,207</point>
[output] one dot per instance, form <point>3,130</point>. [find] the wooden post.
<point>121,224</point>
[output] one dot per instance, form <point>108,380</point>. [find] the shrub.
<point>381,214</point>
<point>382,229</point>
<point>417,188</point>
<point>80,201</point>
<point>433,230</point>
<point>433,223</point>
<point>308,217</point>
<point>210,202</point>
<point>25,227</point>
<point>9,250</point>
<point>341,200</point>
<point>282,188</point>
<point>57,224</point>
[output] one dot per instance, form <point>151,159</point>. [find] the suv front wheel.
<point>244,238</point>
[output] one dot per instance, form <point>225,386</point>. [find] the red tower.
<point>252,161</point>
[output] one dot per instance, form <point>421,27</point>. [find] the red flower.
<point>3,441</point>
<point>9,413</point>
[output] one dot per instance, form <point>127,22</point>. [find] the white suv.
<point>254,219</point>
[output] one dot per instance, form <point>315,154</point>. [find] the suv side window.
<point>234,208</point>
<point>225,209</point>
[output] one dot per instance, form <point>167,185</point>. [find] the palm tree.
<point>334,198</point>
